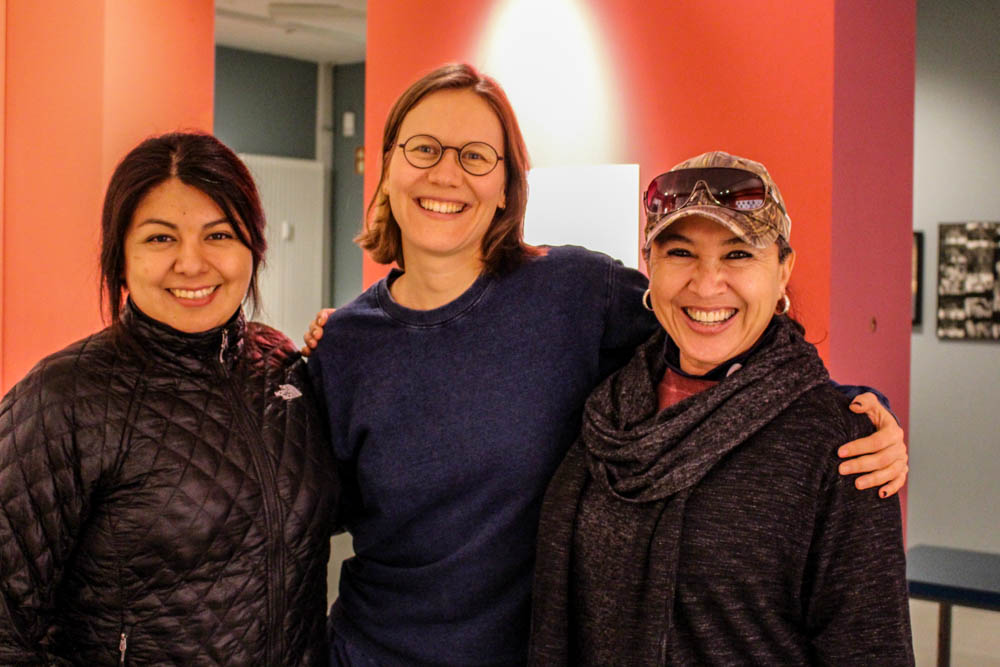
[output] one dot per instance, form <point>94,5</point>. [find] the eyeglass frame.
<point>458,153</point>
<point>708,190</point>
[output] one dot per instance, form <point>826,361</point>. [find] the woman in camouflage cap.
<point>699,518</point>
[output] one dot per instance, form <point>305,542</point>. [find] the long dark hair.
<point>503,246</point>
<point>198,160</point>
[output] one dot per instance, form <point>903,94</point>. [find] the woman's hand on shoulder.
<point>315,331</point>
<point>882,455</point>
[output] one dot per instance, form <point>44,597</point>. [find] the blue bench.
<point>953,577</point>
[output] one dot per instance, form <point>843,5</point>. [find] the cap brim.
<point>736,222</point>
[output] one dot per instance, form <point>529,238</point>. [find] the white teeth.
<point>441,206</point>
<point>192,294</point>
<point>710,316</point>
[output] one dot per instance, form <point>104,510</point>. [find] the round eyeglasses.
<point>424,151</point>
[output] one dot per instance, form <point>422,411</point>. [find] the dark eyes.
<point>214,236</point>
<point>684,252</point>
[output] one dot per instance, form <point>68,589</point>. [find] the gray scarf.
<point>612,516</point>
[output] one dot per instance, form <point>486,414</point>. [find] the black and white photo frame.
<point>969,281</point>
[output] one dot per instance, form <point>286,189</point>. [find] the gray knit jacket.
<point>718,530</point>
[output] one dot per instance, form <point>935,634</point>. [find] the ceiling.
<point>318,30</point>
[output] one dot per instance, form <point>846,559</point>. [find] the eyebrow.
<point>157,221</point>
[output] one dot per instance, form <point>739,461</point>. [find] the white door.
<point>291,282</point>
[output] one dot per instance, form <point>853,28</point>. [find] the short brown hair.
<point>503,246</point>
<point>196,159</point>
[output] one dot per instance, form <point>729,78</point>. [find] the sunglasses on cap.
<point>735,189</point>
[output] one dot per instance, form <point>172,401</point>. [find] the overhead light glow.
<point>551,61</point>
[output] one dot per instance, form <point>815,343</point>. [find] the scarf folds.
<point>612,518</point>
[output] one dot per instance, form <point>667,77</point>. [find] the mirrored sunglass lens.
<point>478,158</point>
<point>422,150</point>
<point>733,188</point>
<point>665,194</point>
<point>739,190</point>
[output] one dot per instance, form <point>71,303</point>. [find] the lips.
<point>439,206</point>
<point>200,293</point>
<point>710,317</point>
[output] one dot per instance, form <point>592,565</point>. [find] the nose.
<point>448,170</point>
<point>707,279</point>
<point>190,260</point>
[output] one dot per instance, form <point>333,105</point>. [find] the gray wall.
<point>265,104</point>
<point>954,494</point>
<point>348,186</point>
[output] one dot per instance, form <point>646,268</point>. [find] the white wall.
<point>954,495</point>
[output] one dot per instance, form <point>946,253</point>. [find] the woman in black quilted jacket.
<point>166,488</point>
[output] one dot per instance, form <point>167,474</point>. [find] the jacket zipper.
<point>267,476</point>
<point>222,350</point>
<point>122,647</point>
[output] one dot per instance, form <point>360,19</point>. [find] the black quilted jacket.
<point>167,499</point>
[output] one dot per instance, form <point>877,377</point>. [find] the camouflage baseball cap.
<point>758,227</point>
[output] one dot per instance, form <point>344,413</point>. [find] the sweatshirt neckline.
<point>436,316</point>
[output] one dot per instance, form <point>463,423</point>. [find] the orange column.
<point>3,124</point>
<point>84,81</point>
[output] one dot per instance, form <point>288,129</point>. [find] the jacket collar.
<point>214,349</point>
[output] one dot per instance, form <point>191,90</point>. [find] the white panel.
<point>291,282</point>
<point>596,206</point>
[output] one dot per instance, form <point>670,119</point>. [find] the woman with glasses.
<point>698,519</point>
<point>455,386</point>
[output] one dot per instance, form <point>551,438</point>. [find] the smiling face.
<point>712,292</point>
<point>184,265</point>
<point>443,211</point>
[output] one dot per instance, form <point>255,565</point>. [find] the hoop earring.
<point>646,302</point>
<point>785,305</point>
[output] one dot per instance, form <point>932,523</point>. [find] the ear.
<point>785,271</point>
<point>503,200</point>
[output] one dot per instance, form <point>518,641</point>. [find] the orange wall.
<point>696,76</point>
<point>3,124</point>
<point>754,79</point>
<point>84,82</point>
<point>769,80</point>
<point>821,92</point>
<point>159,71</point>
<point>406,40</point>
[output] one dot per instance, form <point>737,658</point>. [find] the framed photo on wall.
<point>969,281</point>
<point>917,282</point>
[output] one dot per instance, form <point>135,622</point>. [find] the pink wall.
<point>873,197</point>
<point>83,83</point>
